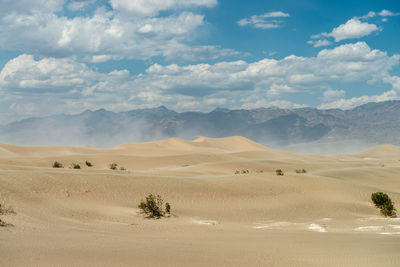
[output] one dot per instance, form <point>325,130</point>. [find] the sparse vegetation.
<point>75,166</point>
<point>122,168</point>
<point>383,202</point>
<point>113,166</point>
<point>3,223</point>
<point>57,164</point>
<point>152,207</point>
<point>242,171</point>
<point>88,163</point>
<point>4,209</point>
<point>279,172</point>
<point>300,171</point>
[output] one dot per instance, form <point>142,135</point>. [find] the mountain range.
<point>295,129</point>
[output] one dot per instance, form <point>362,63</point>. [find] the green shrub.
<point>2,223</point>
<point>113,166</point>
<point>152,207</point>
<point>300,171</point>
<point>75,166</point>
<point>57,164</point>
<point>89,164</point>
<point>383,202</point>
<point>122,169</point>
<point>279,172</point>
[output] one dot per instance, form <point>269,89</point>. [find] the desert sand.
<point>89,217</point>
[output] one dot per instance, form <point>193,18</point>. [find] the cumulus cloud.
<point>36,27</point>
<point>330,95</point>
<point>152,7</point>
<point>69,86</point>
<point>319,43</point>
<point>352,29</point>
<point>265,21</point>
<point>357,101</point>
<point>388,13</point>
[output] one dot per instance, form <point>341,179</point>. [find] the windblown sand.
<point>89,217</point>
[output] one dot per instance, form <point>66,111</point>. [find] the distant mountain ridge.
<point>372,123</point>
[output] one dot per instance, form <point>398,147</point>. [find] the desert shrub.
<point>122,168</point>
<point>75,166</point>
<point>300,171</point>
<point>152,207</point>
<point>245,171</point>
<point>5,209</point>
<point>88,163</point>
<point>57,164</point>
<point>383,202</point>
<point>237,172</point>
<point>279,172</point>
<point>2,223</point>
<point>113,166</point>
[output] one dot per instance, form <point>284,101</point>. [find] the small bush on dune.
<point>75,166</point>
<point>89,164</point>
<point>279,172</point>
<point>383,202</point>
<point>152,207</point>
<point>57,164</point>
<point>113,166</point>
<point>4,209</point>
<point>3,223</point>
<point>122,169</point>
<point>300,171</point>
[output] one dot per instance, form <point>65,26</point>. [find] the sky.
<point>67,56</point>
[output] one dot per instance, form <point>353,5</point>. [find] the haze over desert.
<point>199,133</point>
<point>90,217</point>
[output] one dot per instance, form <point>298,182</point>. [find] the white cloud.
<point>152,7</point>
<point>352,29</point>
<point>76,5</point>
<point>262,103</point>
<point>388,13</point>
<point>266,21</point>
<point>357,101</point>
<point>65,85</point>
<point>331,95</point>
<point>320,43</point>
<point>36,27</point>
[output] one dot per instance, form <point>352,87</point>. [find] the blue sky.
<point>66,56</point>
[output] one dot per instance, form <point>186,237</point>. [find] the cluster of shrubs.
<point>242,171</point>
<point>279,172</point>
<point>5,210</point>
<point>73,165</point>
<point>300,171</point>
<point>76,166</point>
<point>383,202</point>
<point>152,207</point>
<point>114,166</point>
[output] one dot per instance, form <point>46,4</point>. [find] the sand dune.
<point>89,217</point>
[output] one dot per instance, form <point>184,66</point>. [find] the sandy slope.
<point>89,217</point>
